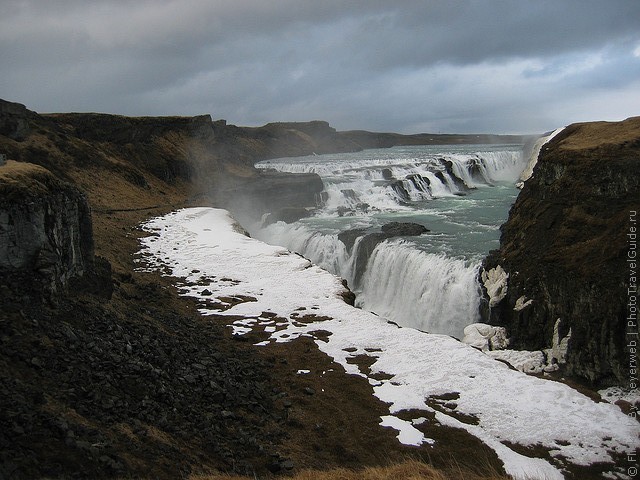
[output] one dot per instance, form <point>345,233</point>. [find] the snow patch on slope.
<point>269,285</point>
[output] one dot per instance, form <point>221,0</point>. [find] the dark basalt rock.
<point>365,248</point>
<point>420,183</point>
<point>287,215</point>
<point>566,247</point>
<point>349,237</point>
<point>14,120</point>
<point>458,182</point>
<point>387,174</point>
<point>45,228</point>
<point>402,193</point>
<point>404,229</point>
<point>476,172</point>
<point>349,194</point>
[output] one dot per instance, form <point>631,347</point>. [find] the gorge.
<point>106,369</point>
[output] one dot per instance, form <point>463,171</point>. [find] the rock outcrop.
<point>14,120</point>
<point>404,229</point>
<point>569,252</point>
<point>370,241</point>
<point>45,227</point>
<point>268,191</point>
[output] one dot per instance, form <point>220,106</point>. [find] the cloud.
<point>463,65</point>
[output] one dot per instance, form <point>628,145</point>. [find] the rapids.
<point>462,194</point>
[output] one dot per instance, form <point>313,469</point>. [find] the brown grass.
<point>24,178</point>
<point>408,470</point>
<point>596,134</point>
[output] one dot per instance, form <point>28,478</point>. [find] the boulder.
<point>404,229</point>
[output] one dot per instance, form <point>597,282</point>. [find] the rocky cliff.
<point>45,227</point>
<point>565,252</point>
<point>14,120</point>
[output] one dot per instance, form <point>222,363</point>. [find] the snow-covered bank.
<point>241,276</point>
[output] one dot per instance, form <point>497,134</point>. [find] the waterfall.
<point>532,156</point>
<point>428,283</point>
<point>426,291</point>
<point>324,250</point>
<point>429,292</point>
<point>384,184</point>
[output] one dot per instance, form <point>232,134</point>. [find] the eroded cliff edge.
<point>46,239</point>
<point>569,252</point>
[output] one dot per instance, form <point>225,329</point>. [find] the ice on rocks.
<point>485,337</point>
<point>495,282</point>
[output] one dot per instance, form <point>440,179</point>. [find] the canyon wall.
<point>45,228</point>
<point>568,251</point>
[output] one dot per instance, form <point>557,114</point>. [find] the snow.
<point>559,346</point>
<point>408,434</point>
<point>204,246</point>
<point>613,394</point>
<point>482,336</point>
<point>522,360</point>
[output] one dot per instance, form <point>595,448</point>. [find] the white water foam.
<point>402,281</point>
<point>429,292</point>
<point>386,184</point>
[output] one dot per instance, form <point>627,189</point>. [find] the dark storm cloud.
<point>497,66</point>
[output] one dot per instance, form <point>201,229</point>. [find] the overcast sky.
<point>495,66</point>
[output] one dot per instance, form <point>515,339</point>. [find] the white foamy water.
<point>461,193</point>
<point>437,293</point>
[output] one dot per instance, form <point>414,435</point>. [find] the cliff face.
<point>565,249</point>
<point>14,120</point>
<point>45,227</point>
